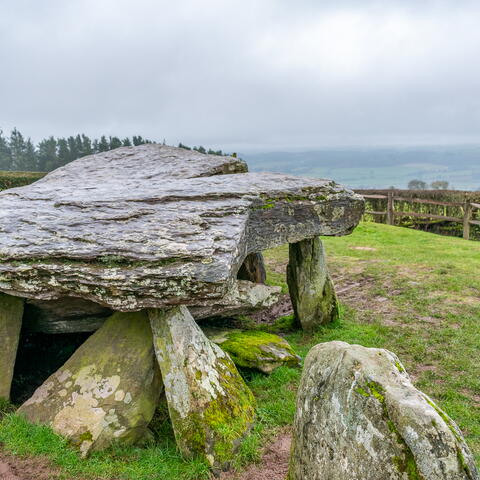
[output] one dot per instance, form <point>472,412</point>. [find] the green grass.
<point>18,179</point>
<point>414,293</point>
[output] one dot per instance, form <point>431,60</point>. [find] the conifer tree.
<point>103,144</point>
<point>115,142</point>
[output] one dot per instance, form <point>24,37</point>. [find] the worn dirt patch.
<point>26,468</point>
<point>368,249</point>
<point>272,466</point>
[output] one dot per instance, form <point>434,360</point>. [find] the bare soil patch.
<point>273,465</point>
<point>26,468</point>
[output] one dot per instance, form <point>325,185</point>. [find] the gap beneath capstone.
<point>38,356</point>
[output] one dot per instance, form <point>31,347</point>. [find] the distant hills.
<point>378,167</point>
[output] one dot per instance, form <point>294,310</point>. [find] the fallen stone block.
<point>359,417</point>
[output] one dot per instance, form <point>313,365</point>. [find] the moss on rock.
<point>255,349</point>
<point>210,406</point>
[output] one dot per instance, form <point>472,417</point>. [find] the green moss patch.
<point>250,348</point>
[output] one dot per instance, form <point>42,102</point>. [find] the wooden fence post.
<point>467,216</point>
<point>390,216</point>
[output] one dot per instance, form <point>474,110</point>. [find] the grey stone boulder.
<point>154,226</point>
<point>359,417</point>
<point>107,392</point>
<point>254,349</point>
<point>11,311</point>
<point>210,406</point>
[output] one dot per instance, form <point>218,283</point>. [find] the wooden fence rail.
<point>467,206</point>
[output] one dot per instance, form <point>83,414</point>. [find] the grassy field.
<point>414,293</point>
<point>18,179</point>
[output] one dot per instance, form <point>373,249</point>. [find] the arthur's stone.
<point>11,311</point>
<point>359,417</point>
<point>107,391</point>
<point>210,406</point>
<point>154,226</point>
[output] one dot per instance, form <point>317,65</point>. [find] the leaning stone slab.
<point>254,349</point>
<point>210,406</point>
<point>310,286</point>
<point>11,311</point>
<point>359,417</point>
<point>154,226</point>
<point>107,391</point>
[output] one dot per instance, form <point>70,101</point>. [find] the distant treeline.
<point>18,153</point>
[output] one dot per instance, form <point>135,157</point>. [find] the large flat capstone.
<point>152,226</point>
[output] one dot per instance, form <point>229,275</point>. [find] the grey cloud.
<point>243,74</point>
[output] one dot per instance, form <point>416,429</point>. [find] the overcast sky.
<point>246,74</point>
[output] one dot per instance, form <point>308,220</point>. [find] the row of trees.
<point>19,153</point>
<point>421,185</point>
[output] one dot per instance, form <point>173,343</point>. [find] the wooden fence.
<point>468,207</point>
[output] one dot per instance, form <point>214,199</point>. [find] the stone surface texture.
<point>311,288</point>
<point>359,417</point>
<point>11,311</point>
<point>107,391</point>
<point>152,225</point>
<point>254,349</point>
<point>210,406</point>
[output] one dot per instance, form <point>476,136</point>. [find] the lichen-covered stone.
<point>155,226</point>
<point>253,269</point>
<point>310,286</point>
<point>107,391</point>
<point>254,349</point>
<point>210,406</point>
<point>360,418</point>
<point>11,311</point>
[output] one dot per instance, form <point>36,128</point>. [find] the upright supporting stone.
<point>311,288</point>
<point>11,312</point>
<point>210,406</point>
<point>107,391</point>
<point>253,269</point>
